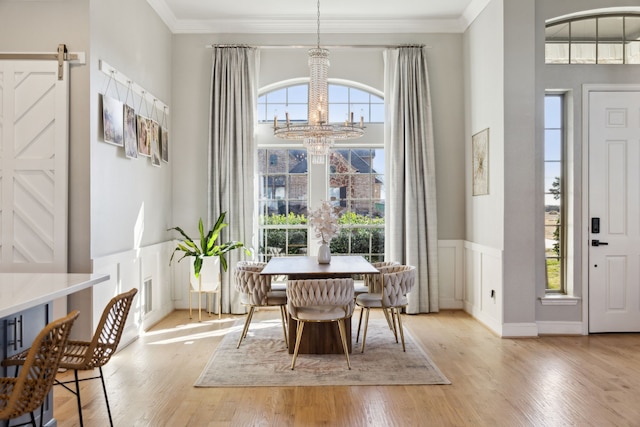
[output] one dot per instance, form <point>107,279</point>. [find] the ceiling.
<point>300,16</point>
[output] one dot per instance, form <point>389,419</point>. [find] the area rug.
<point>263,360</point>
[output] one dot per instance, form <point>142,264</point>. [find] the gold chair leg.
<point>246,326</point>
<point>219,301</point>
<point>366,324</point>
<point>299,329</point>
<point>394,316</point>
<point>283,314</point>
<point>401,330</point>
<point>386,316</point>
<point>190,304</point>
<point>343,337</point>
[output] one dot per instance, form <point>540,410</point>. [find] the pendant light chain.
<point>318,24</point>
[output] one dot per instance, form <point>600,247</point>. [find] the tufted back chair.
<point>305,296</point>
<point>254,288</point>
<point>255,291</point>
<point>320,300</point>
<point>374,281</point>
<point>397,281</point>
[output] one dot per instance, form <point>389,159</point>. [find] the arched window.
<point>593,38</point>
<point>288,184</point>
<point>344,99</point>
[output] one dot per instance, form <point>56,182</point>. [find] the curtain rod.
<point>350,46</point>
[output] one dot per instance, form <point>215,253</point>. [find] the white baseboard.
<point>560,328</point>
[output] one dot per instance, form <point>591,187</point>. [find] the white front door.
<point>614,211</point>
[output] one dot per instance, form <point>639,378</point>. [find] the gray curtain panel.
<point>411,223</point>
<point>234,92</point>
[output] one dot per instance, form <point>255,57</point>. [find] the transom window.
<point>594,39</point>
<point>343,100</point>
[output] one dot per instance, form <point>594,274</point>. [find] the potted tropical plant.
<point>208,246</point>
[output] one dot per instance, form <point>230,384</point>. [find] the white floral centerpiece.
<point>324,220</point>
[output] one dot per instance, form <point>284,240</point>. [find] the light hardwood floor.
<point>548,381</point>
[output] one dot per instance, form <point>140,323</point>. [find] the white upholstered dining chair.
<point>255,291</point>
<point>397,281</point>
<point>320,300</point>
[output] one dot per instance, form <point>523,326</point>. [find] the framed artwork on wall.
<point>144,136</point>
<point>112,121</point>
<point>480,162</point>
<point>164,145</point>
<point>130,133</point>
<point>155,143</point>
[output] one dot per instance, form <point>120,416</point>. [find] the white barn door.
<point>33,166</point>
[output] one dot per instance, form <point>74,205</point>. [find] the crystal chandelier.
<point>318,135</point>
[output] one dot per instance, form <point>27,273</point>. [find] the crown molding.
<point>281,26</point>
<point>302,26</point>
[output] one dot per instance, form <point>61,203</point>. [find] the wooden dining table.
<point>318,338</point>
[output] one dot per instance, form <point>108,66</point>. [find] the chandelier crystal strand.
<point>318,135</point>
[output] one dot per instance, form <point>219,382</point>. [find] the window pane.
<point>557,46</point>
<point>338,113</point>
<point>338,93</point>
<point>298,94</point>
<point>358,96</point>
<point>583,37</point>
<point>556,53</point>
<point>552,112</point>
<point>632,37</point>
<point>377,113</point>
<point>360,110</point>
<point>610,39</point>
<point>297,112</point>
<point>277,96</point>
<point>553,144</point>
<point>552,172</point>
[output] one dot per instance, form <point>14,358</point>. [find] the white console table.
<point>25,308</point>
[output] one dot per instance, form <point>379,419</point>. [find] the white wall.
<point>484,108</point>
<point>130,198</point>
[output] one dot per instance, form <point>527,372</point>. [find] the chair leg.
<point>386,316</point>
<point>75,374</point>
<point>219,296</point>
<point>190,304</point>
<point>401,330</point>
<point>283,314</point>
<point>246,326</point>
<point>33,419</point>
<point>106,398</point>
<point>299,329</point>
<point>343,337</point>
<point>366,324</point>
<point>394,321</point>
<point>359,323</point>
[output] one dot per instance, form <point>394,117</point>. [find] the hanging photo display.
<point>155,143</point>
<point>144,136</point>
<point>164,143</point>
<point>130,132</point>
<point>112,120</point>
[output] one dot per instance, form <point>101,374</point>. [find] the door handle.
<point>596,242</point>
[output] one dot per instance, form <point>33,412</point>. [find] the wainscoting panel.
<point>128,270</point>
<point>483,284</point>
<point>451,274</point>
